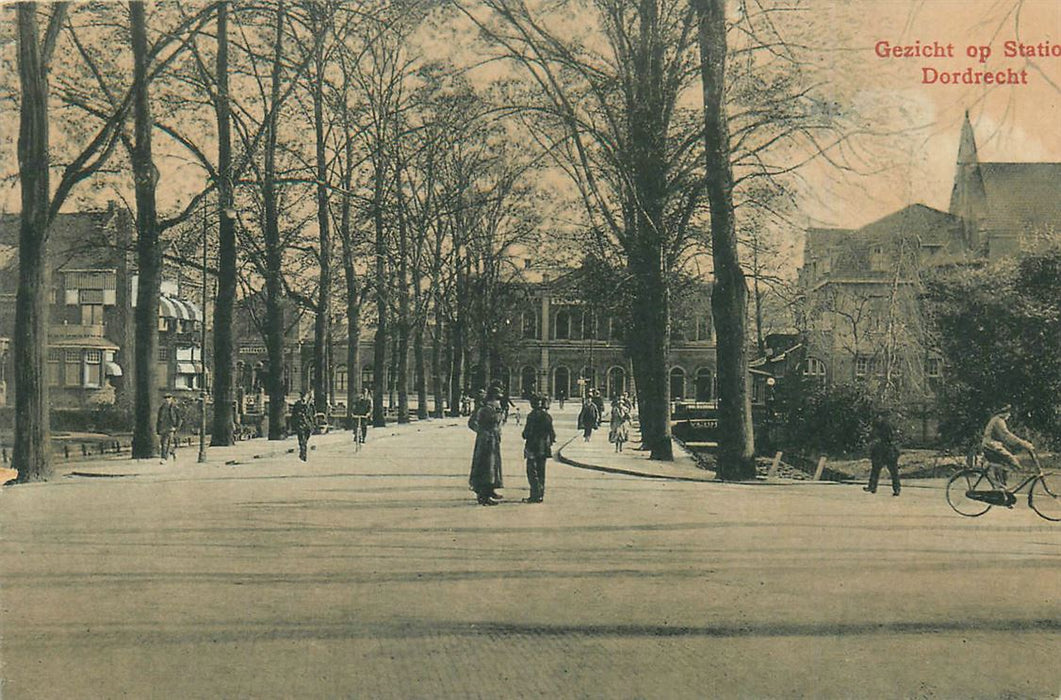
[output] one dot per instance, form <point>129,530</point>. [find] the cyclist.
<point>362,411</point>
<point>997,437</point>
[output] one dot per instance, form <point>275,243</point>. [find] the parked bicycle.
<point>974,490</point>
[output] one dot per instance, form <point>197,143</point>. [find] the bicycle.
<point>974,490</point>
<point>358,440</point>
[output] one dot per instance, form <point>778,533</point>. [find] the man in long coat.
<point>485,477</point>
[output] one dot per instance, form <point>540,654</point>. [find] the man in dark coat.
<point>302,424</point>
<point>485,477</point>
<point>540,437</point>
<point>169,421</point>
<point>883,452</point>
<point>588,418</point>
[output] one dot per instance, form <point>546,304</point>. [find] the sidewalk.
<point>242,453</point>
<point>599,455</point>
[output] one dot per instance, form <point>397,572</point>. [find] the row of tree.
<point>353,170</point>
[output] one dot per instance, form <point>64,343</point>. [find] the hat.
<point>167,396</point>
<point>1005,408</point>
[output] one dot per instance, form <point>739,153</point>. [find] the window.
<point>934,368</point>
<point>91,314</point>
<point>703,328</point>
<point>677,384</point>
<point>616,328</point>
<point>72,368</point>
<point>55,357</point>
<point>366,376</point>
<point>861,366</point>
<point>163,354</point>
<point>815,369</point>
<point>530,325</point>
<point>563,325</point>
<point>90,296</point>
<point>590,326</point>
<point>93,356</point>
<point>340,378</point>
<point>576,326</point>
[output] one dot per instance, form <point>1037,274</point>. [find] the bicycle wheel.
<point>1044,496</point>
<point>957,492</point>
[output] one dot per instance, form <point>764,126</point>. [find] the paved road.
<point>375,575</point>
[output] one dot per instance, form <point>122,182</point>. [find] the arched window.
<point>528,381</point>
<point>814,369</point>
<point>530,325</point>
<point>677,384</point>
<point>561,382</point>
<point>616,381</point>
<point>705,384</point>
<point>563,325</point>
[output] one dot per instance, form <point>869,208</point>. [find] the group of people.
<point>486,420</point>
<point>995,443</point>
<point>591,417</point>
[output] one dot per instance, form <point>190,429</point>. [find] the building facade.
<point>862,317</point>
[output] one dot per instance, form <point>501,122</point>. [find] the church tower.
<point>968,199</point>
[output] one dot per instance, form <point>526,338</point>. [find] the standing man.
<point>883,452</point>
<point>539,436</point>
<point>302,424</point>
<point>169,421</point>
<point>362,411</point>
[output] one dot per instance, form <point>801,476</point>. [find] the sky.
<point>1012,123</point>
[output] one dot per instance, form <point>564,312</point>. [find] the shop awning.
<point>187,368</point>
<point>172,307</point>
<point>113,369</point>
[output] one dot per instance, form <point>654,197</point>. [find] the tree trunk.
<point>651,340</point>
<point>379,354</point>
<point>403,326</point>
<point>31,455</point>
<point>274,318</point>
<point>729,298</point>
<point>321,326</point>
<point>437,388</point>
<point>224,348</point>
<point>148,248</point>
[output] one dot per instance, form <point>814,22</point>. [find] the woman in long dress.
<point>618,430</point>
<point>485,476</point>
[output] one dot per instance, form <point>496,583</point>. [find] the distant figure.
<point>561,397</point>
<point>485,476</point>
<point>362,414</point>
<point>302,424</point>
<point>515,412</point>
<point>588,418</point>
<point>539,436</point>
<point>618,430</point>
<point>169,421</point>
<point>883,452</point>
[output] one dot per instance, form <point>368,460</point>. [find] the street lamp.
<point>202,357</point>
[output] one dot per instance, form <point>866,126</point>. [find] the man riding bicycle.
<point>997,437</point>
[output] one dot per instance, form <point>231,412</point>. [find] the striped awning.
<point>113,369</point>
<point>172,307</point>
<point>187,368</point>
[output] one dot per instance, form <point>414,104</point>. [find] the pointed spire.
<point>967,144</point>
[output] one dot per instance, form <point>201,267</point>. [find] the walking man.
<point>883,452</point>
<point>169,421</point>
<point>302,424</point>
<point>539,436</point>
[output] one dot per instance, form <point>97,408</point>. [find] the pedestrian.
<point>485,476</point>
<point>169,421</point>
<point>362,412</point>
<point>618,431</point>
<point>561,397</point>
<point>883,452</point>
<point>588,418</point>
<point>302,424</point>
<point>539,436</point>
<point>598,401</point>
<point>516,414</point>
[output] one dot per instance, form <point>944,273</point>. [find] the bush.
<point>833,420</point>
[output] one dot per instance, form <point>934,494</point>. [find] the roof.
<point>927,225</point>
<point>1022,195</point>
<point>82,342</point>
